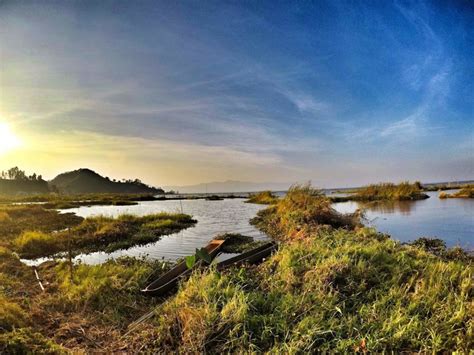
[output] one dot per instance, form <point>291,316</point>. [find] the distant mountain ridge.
<point>88,181</point>
<point>229,186</point>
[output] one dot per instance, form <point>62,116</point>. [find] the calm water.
<point>214,217</point>
<point>450,219</point>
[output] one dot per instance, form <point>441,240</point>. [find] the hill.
<point>88,181</point>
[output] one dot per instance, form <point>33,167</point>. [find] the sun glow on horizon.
<point>8,139</point>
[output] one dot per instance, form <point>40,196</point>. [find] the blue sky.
<point>340,93</point>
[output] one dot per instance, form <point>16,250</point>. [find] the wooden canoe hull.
<point>250,257</point>
<point>169,280</point>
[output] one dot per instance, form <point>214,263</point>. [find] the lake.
<point>214,217</point>
<point>449,219</point>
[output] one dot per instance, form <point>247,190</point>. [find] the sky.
<point>340,93</point>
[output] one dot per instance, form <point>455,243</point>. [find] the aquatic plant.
<point>16,219</point>
<point>332,286</point>
<point>438,247</point>
<point>102,233</point>
<point>465,192</point>
<point>263,198</point>
<point>302,209</point>
<point>390,191</point>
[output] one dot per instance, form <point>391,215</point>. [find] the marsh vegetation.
<point>333,285</point>
<point>465,192</point>
<point>263,198</point>
<point>100,234</point>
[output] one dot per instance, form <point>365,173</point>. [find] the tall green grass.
<point>338,288</point>
<point>332,286</point>
<point>338,291</point>
<point>303,208</point>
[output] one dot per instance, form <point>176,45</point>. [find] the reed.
<point>263,198</point>
<point>390,191</point>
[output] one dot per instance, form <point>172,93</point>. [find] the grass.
<point>28,341</point>
<point>332,286</point>
<point>449,186</point>
<point>263,198</point>
<point>303,208</point>
<point>237,243</point>
<point>63,205</point>
<point>101,234</point>
<point>465,192</point>
<point>338,291</point>
<point>390,191</point>
<point>94,198</point>
<point>89,309</point>
<point>345,289</point>
<point>17,219</point>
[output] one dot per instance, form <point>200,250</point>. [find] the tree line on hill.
<point>15,181</point>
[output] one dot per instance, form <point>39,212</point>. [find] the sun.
<point>8,139</point>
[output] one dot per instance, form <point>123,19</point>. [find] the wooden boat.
<point>250,257</point>
<point>169,280</point>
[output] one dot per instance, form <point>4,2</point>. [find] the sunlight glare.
<point>8,139</point>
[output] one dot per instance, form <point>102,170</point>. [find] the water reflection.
<point>450,219</point>
<point>404,207</point>
<point>214,217</point>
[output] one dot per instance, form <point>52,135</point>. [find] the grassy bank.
<point>96,198</point>
<point>263,198</point>
<point>443,187</point>
<point>465,192</point>
<point>101,234</point>
<point>386,191</point>
<point>88,309</point>
<point>302,209</point>
<point>34,231</point>
<point>339,291</point>
<point>17,219</point>
<point>333,285</point>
